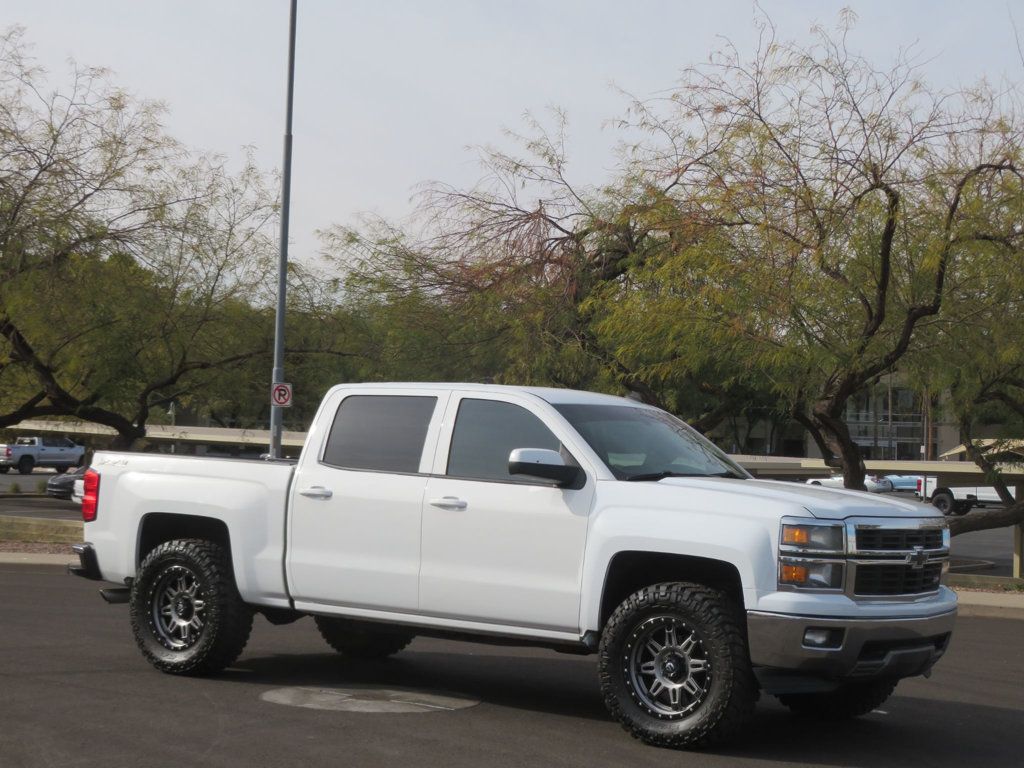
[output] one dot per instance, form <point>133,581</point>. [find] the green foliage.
<point>785,231</point>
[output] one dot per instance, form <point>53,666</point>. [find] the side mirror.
<point>543,464</point>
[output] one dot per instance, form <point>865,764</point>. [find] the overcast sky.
<point>391,93</point>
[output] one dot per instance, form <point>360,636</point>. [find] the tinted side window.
<point>379,432</point>
<point>486,432</point>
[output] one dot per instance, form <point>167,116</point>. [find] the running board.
<point>116,595</point>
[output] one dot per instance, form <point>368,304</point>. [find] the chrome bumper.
<point>862,648</point>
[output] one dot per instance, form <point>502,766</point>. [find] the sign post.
<point>276,416</point>
<point>1018,541</point>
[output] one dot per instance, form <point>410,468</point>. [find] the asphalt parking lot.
<point>75,692</point>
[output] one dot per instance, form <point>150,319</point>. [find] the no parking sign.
<point>281,395</point>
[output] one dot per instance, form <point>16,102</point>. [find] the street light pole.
<point>276,411</point>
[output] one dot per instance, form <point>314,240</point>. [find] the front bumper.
<point>861,648</point>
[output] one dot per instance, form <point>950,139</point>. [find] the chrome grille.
<point>896,557</point>
<point>896,578</point>
<point>898,539</point>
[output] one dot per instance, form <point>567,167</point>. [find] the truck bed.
<point>138,490</point>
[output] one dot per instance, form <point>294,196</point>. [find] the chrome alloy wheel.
<point>667,669</point>
<point>177,608</point>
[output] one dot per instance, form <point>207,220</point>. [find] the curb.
<point>31,558</point>
<point>991,605</point>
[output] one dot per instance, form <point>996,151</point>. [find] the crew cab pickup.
<point>27,453</point>
<point>576,521</point>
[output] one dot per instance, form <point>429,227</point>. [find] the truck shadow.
<point>908,731</point>
<point>550,684</point>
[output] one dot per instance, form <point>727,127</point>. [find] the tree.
<point>835,205</point>
<point>108,337</point>
<point>531,262</point>
<point>978,363</point>
<point>78,178</point>
<point>134,274</point>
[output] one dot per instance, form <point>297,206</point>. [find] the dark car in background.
<point>61,486</point>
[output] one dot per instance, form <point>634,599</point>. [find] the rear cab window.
<point>380,433</point>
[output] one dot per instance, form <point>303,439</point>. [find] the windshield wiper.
<point>668,473</point>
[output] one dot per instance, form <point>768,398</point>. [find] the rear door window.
<point>384,433</point>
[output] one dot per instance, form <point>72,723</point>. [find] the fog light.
<point>816,637</point>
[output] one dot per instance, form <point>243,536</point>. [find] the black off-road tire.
<point>25,465</point>
<point>4,470</point>
<point>944,502</point>
<point>961,508</point>
<point>359,640</point>
<point>847,701</point>
<point>729,689</point>
<point>226,621</point>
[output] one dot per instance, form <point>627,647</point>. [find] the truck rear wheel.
<point>25,465</point>
<point>944,502</point>
<point>849,700</point>
<point>186,613</point>
<point>4,470</point>
<point>674,667</point>
<point>360,641</point>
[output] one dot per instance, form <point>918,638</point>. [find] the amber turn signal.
<point>793,574</point>
<point>792,534</point>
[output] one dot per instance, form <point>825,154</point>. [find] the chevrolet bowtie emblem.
<point>917,559</point>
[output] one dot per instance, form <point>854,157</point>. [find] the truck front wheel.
<point>360,641</point>
<point>674,667</point>
<point>186,613</point>
<point>849,700</point>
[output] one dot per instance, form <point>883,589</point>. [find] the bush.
<point>41,486</point>
<point>15,488</point>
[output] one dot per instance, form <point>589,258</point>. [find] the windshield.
<point>646,443</point>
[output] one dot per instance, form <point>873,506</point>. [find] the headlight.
<point>810,574</point>
<point>810,552</point>
<point>803,536</point>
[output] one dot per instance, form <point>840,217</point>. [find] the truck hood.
<point>826,503</point>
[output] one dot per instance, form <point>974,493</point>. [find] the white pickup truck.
<point>27,453</point>
<point>957,500</point>
<point>576,521</point>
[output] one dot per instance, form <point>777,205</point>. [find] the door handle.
<point>317,492</point>
<point>449,502</point>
